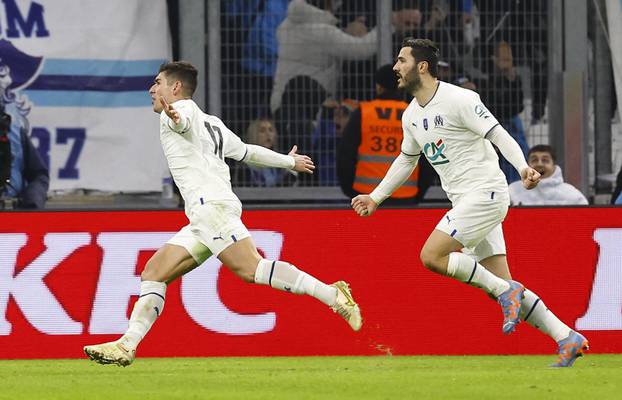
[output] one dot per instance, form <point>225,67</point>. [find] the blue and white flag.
<point>76,75</point>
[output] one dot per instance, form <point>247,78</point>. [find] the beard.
<point>411,82</point>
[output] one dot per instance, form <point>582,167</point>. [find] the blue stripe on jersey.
<point>453,233</point>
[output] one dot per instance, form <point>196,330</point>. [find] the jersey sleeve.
<point>410,147</point>
<point>475,116</point>
<point>233,146</point>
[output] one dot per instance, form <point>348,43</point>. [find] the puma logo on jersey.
<point>218,237</point>
<point>415,125</point>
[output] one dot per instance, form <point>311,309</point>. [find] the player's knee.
<point>430,260</point>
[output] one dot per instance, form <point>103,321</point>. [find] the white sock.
<point>147,309</point>
<point>284,276</point>
<point>467,270</point>
<point>535,313</point>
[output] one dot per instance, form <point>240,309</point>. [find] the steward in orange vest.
<point>372,139</point>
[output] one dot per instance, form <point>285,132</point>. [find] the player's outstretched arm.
<point>302,163</point>
<point>513,153</point>
<point>263,157</point>
<point>399,171</point>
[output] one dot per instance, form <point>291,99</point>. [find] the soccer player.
<point>451,127</point>
<point>195,145</point>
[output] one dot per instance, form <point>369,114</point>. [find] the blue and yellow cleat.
<point>510,302</point>
<point>570,349</point>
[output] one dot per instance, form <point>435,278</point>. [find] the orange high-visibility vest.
<point>381,141</point>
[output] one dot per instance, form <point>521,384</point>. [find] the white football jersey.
<point>196,157</point>
<point>450,132</point>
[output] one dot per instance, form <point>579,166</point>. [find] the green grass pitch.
<point>274,378</point>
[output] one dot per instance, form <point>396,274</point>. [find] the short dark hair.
<point>182,71</point>
<point>542,148</point>
<point>424,50</point>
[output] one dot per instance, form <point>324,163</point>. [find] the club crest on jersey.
<point>425,124</point>
<point>438,121</point>
<point>434,152</point>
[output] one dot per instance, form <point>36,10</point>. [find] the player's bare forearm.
<point>264,157</point>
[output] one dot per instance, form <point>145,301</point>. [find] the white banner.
<point>76,74</point>
<point>614,22</point>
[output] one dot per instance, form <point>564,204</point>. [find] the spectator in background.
<point>503,93</point>
<point>371,140</point>
<point>525,20</point>
<point>251,32</point>
<point>445,73</point>
<point>358,15</point>
<point>465,82</point>
<point>24,178</point>
<point>311,47</point>
<point>327,138</point>
<point>552,190</point>
<point>263,133</point>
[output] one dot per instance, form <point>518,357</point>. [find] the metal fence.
<point>289,79</point>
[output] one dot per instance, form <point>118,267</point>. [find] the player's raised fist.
<point>530,177</point>
<point>363,205</point>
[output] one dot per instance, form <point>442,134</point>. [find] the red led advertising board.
<point>70,278</point>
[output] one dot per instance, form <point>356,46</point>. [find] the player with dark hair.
<point>195,145</point>
<point>451,127</point>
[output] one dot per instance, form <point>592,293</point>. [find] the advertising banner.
<point>75,75</point>
<point>68,279</point>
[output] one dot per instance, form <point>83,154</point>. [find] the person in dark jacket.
<point>25,178</point>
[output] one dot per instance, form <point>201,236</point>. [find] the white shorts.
<point>475,221</point>
<point>213,227</point>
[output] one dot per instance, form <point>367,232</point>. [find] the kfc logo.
<point>117,282</point>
